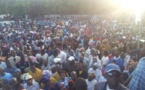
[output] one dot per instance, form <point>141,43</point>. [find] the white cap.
<point>56,60</point>
<point>71,58</point>
<point>28,77</point>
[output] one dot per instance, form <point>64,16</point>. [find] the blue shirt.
<point>7,76</point>
<point>138,76</point>
<point>10,70</point>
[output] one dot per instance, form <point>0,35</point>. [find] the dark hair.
<point>80,84</point>
<point>106,53</point>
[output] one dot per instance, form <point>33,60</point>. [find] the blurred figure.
<point>112,74</point>
<point>30,83</point>
<point>80,84</point>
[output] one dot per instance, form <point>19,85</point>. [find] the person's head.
<point>45,62</point>
<point>1,71</point>
<point>112,74</point>
<point>79,66</point>
<point>94,59</point>
<point>32,67</point>
<point>91,76</point>
<point>116,53</point>
<point>29,80</point>
<point>8,64</point>
<point>62,75</point>
<point>95,66</point>
<point>17,73</point>
<point>80,84</point>
<point>14,82</point>
<point>73,75</point>
<point>106,53</point>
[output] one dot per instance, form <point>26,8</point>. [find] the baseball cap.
<point>28,77</point>
<point>56,60</point>
<point>71,58</point>
<point>112,67</point>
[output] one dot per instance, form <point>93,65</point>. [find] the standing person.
<point>80,84</point>
<point>112,74</point>
<point>5,75</point>
<point>10,69</point>
<point>70,65</point>
<point>95,69</point>
<point>31,84</point>
<point>118,60</point>
<point>91,81</point>
<point>137,81</point>
<point>71,82</point>
<point>81,72</point>
<point>35,72</point>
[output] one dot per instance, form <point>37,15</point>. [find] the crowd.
<point>71,53</point>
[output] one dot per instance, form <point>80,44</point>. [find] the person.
<point>137,80</point>
<point>15,85</point>
<point>80,84</point>
<point>118,60</point>
<point>70,65</point>
<point>63,82</point>
<point>17,75</point>
<point>5,75</point>
<point>10,69</point>
<point>35,72</point>
<point>80,72</point>
<point>30,83</point>
<point>71,82</point>
<point>96,71</point>
<point>91,81</point>
<point>112,74</point>
<point>105,59</point>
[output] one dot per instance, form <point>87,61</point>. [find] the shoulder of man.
<point>122,87</point>
<point>100,85</point>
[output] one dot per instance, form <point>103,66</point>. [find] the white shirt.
<point>38,55</point>
<point>104,60</point>
<point>63,56</point>
<point>91,84</point>
<point>34,86</point>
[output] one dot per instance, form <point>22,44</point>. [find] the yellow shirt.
<point>36,75</point>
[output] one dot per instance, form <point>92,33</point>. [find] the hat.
<point>112,67</point>
<point>28,77</point>
<point>56,60</point>
<point>71,58</point>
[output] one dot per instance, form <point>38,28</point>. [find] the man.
<point>35,72</point>
<point>81,72</point>
<point>137,81</point>
<point>80,84</point>
<point>70,65</point>
<point>91,81</point>
<point>31,84</point>
<point>118,60</point>
<point>10,69</point>
<point>71,82</point>
<point>5,75</point>
<point>96,71</point>
<point>112,74</point>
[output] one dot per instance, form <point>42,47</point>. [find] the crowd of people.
<point>71,53</point>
